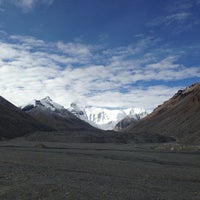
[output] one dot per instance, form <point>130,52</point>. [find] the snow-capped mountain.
<point>55,116</point>
<point>45,103</point>
<point>104,118</point>
<point>78,111</point>
<point>136,113</point>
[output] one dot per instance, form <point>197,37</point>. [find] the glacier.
<point>104,118</point>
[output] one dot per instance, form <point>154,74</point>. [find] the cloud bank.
<point>131,76</point>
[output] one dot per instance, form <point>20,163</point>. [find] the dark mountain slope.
<point>14,122</point>
<point>124,123</point>
<point>179,117</point>
<point>60,120</point>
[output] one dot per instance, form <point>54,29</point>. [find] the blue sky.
<point>110,53</point>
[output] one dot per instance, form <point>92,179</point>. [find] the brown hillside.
<point>178,117</point>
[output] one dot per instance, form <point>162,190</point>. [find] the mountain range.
<point>103,118</point>
<point>178,117</point>
<point>64,125</point>
<point>44,120</point>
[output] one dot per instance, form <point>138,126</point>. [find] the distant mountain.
<point>55,116</point>
<point>124,123</point>
<point>179,117</point>
<point>45,103</point>
<point>14,122</point>
<point>105,119</point>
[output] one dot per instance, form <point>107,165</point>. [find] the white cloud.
<point>138,97</point>
<point>180,15</point>
<point>74,49</point>
<point>182,5</point>
<point>32,69</point>
<point>27,5</point>
<point>28,40</point>
<point>176,18</point>
<point>80,52</point>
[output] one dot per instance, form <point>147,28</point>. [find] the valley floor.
<point>59,171</point>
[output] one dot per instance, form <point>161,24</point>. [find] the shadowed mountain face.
<point>121,125</point>
<point>178,117</point>
<point>59,120</point>
<point>14,122</point>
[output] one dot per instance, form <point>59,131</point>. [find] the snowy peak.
<point>103,115</point>
<point>48,103</point>
<point>104,118</point>
<point>45,103</point>
<point>78,111</point>
<point>133,111</point>
<point>75,108</point>
<point>136,113</point>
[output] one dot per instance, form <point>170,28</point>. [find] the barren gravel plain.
<point>31,170</point>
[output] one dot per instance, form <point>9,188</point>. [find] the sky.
<point>105,53</point>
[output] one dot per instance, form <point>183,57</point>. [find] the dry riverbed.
<point>59,171</point>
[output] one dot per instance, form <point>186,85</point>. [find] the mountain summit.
<point>45,103</point>
<point>178,117</point>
